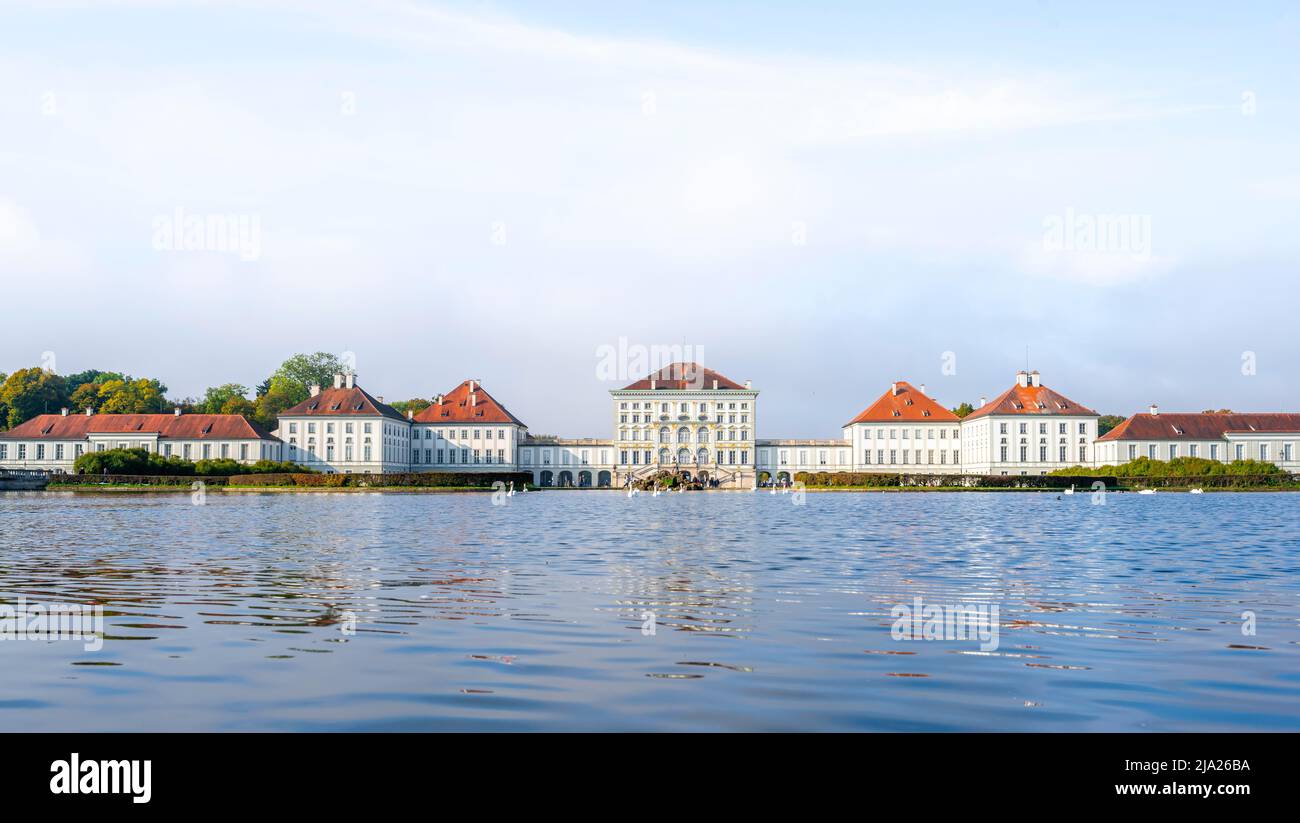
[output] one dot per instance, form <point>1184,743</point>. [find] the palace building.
<point>346,429</point>
<point>53,442</point>
<point>1028,429</point>
<point>1270,438</point>
<point>683,418</point>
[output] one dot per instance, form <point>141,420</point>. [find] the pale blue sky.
<point>495,190</point>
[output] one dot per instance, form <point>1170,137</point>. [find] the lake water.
<point>445,612</point>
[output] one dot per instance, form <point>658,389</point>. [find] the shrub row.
<point>403,479</point>
<point>971,481</point>
<point>152,464</point>
<point>1186,467</point>
<point>132,480</point>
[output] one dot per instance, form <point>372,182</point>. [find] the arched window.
<point>702,457</point>
<point>702,436</point>
<point>665,436</point>
<point>683,435</point>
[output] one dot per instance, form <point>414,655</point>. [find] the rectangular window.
<point>1214,451</point>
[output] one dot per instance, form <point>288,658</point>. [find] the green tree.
<point>415,405</point>
<point>280,395</point>
<point>29,392</point>
<point>291,384</point>
<point>216,398</point>
<point>963,410</point>
<point>304,370</point>
<point>131,396</point>
<point>1107,422</point>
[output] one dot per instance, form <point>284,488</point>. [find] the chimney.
<point>473,384</point>
<point>922,388</point>
<point>715,384</point>
<point>653,382</point>
<point>893,389</point>
<point>314,389</point>
<point>749,384</point>
<point>1155,410</point>
<point>1035,379</point>
<point>350,380</point>
<point>63,412</point>
<point>338,381</point>
<point>89,411</point>
<point>983,400</point>
<point>1022,379</point>
<point>177,411</point>
<point>410,415</point>
<point>439,401</point>
<point>473,399</point>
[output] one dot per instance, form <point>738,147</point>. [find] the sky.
<point>818,197</point>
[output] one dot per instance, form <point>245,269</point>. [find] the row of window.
<point>458,456</point>
<point>1239,452</point>
<point>683,407</point>
<point>911,457</point>
<point>912,434</point>
<point>205,451</point>
<point>730,418</point>
<point>1061,456</point>
<point>1061,428</point>
<point>685,457</point>
<point>684,435</point>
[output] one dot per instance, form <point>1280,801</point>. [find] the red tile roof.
<point>1176,425</point>
<point>1031,400</point>
<point>332,401</point>
<point>185,426</point>
<point>456,407</point>
<point>684,376</point>
<point>908,404</point>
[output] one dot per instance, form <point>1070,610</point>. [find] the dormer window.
<point>335,407</point>
<point>925,413</point>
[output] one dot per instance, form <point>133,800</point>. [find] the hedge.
<point>58,479</point>
<point>969,481</point>
<point>402,479</point>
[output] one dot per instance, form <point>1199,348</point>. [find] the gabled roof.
<point>1032,400</point>
<point>467,403</point>
<point>184,427</point>
<point>1210,426</point>
<point>341,401</point>
<point>903,401</point>
<point>685,377</point>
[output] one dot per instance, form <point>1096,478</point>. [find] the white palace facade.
<point>682,418</point>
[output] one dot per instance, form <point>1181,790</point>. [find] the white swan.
<point>1070,490</point>
<point>1195,491</point>
<point>1147,491</point>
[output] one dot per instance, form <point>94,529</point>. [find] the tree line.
<point>34,391</point>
